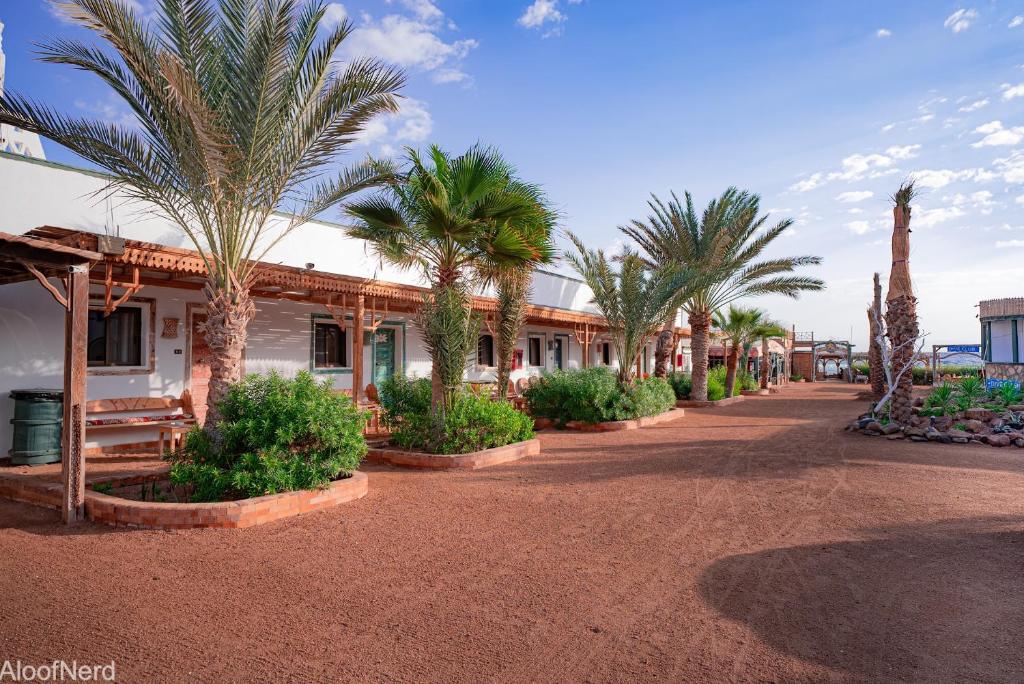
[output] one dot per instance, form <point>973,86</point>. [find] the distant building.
<point>1002,342</point>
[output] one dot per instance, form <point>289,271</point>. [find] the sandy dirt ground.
<point>755,542</point>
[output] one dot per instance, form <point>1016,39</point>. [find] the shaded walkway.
<point>753,542</point>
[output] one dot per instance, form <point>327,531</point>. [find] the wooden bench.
<point>157,411</point>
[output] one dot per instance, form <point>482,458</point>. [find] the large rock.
<point>959,436</point>
<point>915,432</point>
<point>943,423</point>
<point>998,440</point>
<point>975,426</point>
<point>891,428</point>
<point>981,414</point>
<point>873,426</point>
<point>1016,408</point>
<point>1019,442</point>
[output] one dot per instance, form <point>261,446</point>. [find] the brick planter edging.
<point>470,461</point>
<point>618,425</point>
<point>112,510</point>
<point>691,403</point>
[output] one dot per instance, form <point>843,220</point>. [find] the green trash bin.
<point>38,414</point>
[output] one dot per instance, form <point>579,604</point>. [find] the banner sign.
<point>965,348</point>
<point>996,383</point>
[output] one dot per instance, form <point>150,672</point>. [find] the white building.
<point>149,346</point>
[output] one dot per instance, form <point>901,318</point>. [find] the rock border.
<point>692,403</point>
<point>115,511</point>
<point>471,461</point>
<point>619,425</point>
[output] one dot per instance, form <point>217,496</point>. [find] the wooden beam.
<point>357,348</point>
<point>76,333</point>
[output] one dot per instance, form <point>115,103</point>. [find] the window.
<point>115,340</point>
<point>606,353</point>
<point>329,348</point>
<point>485,350</point>
<point>535,351</point>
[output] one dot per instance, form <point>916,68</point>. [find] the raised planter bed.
<point>617,425</point>
<point>471,461</point>
<point>116,511</point>
<point>692,403</point>
<point>755,393</point>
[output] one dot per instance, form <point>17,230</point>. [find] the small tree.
<point>738,327</point>
<point>765,330</point>
<point>634,299</point>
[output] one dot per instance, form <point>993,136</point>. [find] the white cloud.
<point>410,43</point>
<point>940,178</point>
<point>424,10</point>
<point>1009,243</point>
<point>1012,91</point>
<point>854,196</point>
<point>1011,168</point>
<point>857,166</point>
<point>1015,22</point>
<point>541,12</point>
<point>904,152</point>
<point>883,33</point>
<point>858,227</point>
<point>411,124</point>
<point>960,20</point>
<point>1019,200</point>
<point>974,106</point>
<point>809,183</point>
<point>996,135</point>
<point>334,14</point>
<point>929,218</point>
<point>111,109</point>
<point>888,127</point>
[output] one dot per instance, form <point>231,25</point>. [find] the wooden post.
<point>357,348</point>
<point>586,345</point>
<point>76,332</point>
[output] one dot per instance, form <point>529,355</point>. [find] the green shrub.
<point>716,384</point>
<point>471,424</point>
<point>942,399</point>
<point>1006,394</point>
<point>681,384</point>
<point>796,377</point>
<point>277,435</point>
<point>592,395</point>
<point>747,381</point>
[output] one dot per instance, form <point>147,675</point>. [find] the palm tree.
<point>452,218</point>
<point>239,109</point>
<point>737,326</point>
<point>722,248</point>
<point>901,308</point>
<point>634,300</point>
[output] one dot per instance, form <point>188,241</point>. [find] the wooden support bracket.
<point>61,299</point>
<point>109,303</point>
<point>337,311</point>
<point>375,320</point>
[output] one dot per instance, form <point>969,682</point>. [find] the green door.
<point>383,354</point>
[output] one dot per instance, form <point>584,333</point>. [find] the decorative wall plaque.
<point>170,329</point>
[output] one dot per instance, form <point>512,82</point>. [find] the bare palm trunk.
<point>226,330</point>
<point>513,292</point>
<point>700,328</point>
<point>901,314</point>
<point>875,371</point>
<point>732,360</point>
<point>766,368</point>
<point>663,350</point>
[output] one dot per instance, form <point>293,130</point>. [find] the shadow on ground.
<point>938,602</point>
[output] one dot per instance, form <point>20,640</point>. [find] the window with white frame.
<point>115,339</point>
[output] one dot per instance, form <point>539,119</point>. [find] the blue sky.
<point>820,107</point>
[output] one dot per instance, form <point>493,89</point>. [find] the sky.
<point>822,108</point>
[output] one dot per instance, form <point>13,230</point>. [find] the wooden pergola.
<point>23,258</point>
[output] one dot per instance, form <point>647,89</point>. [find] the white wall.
<point>1002,341</point>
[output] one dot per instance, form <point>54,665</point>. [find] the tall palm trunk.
<point>766,368</point>
<point>664,349</point>
<point>875,371</point>
<point>901,312</point>
<point>700,328</point>
<point>226,330</point>
<point>731,361</point>
<point>513,290</point>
